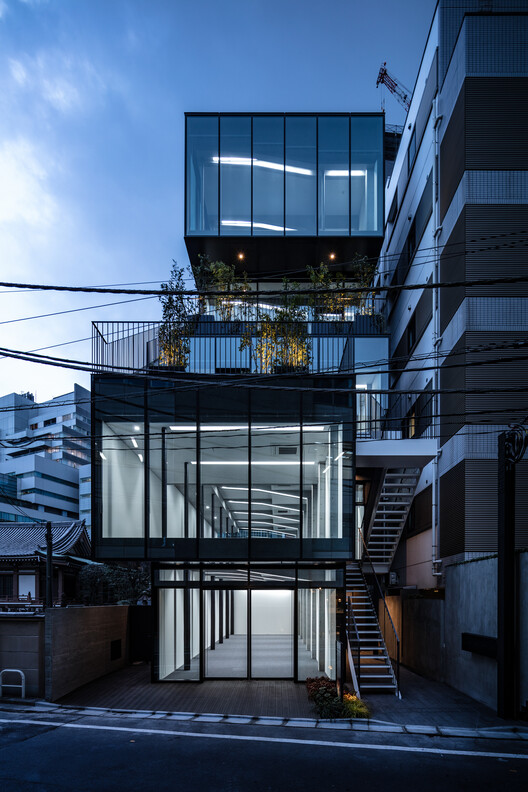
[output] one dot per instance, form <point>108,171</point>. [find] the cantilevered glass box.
<point>314,182</point>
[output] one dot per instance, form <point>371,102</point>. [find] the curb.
<point>358,725</point>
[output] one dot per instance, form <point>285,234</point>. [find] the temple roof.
<point>21,541</point>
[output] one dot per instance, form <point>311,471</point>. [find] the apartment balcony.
<point>228,337</point>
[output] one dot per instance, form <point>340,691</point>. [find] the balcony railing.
<point>235,337</point>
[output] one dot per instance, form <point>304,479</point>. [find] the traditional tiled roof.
<point>21,541</point>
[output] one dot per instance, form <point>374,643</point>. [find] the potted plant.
<point>279,341</point>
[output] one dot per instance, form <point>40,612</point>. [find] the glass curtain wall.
<point>366,175</point>
<point>278,623</point>
<point>235,175</point>
<point>301,170</point>
<point>202,175</point>
<point>221,472</point>
<point>284,175</point>
<point>333,176</point>
<point>268,175</point>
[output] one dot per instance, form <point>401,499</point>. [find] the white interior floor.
<point>272,658</point>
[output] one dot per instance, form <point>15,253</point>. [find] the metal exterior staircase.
<point>375,673</point>
<point>389,516</point>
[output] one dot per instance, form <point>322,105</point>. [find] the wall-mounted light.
<point>241,256</point>
<point>332,256</point>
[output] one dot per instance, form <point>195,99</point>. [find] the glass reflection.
<point>202,175</point>
<point>268,176</point>
<point>300,176</point>
<point>235,175</point>
<point>333,176</point>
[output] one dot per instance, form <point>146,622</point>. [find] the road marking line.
<point>286,741</point>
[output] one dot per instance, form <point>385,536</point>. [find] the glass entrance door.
<point>272,633</point>
<point>225,633</point>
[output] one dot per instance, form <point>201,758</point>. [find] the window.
<point>235,176</point>
<point>301,158</point>
<point>6,586</point>
<point>333,175</point>
<point>412,150</point>
<point>411,333</point>
<point>50,422</point>
<point>202,175</point>
<point>393,211</point>
<point>268,175</point>
<point>33,426</point>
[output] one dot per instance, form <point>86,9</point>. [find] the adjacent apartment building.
<point>457,213</point>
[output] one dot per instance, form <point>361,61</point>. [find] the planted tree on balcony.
<point>279,341</point>
<point>220,277</point>
<point>176,326</point>
<point>330,289</point>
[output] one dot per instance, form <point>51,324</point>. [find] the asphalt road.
<point>58,752</point>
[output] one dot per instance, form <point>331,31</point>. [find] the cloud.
<point>25,197</point>
<point>63,83</point>
<point>3,8</point>
<point>18,72</point>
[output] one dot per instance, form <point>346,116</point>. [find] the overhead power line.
<point>188,382</point>
<point>311,291</point>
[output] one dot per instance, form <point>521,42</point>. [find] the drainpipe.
<point>437,340</point>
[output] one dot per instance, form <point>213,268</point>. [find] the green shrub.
<point>323,692</point>
<point>355,707</point>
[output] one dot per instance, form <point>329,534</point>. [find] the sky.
<point>92,101</point>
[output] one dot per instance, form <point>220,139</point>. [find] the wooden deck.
<point>131,688</point>
<point>423,702</point>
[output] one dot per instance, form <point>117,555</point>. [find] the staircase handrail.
<point>385,606</point>
<point>357,680</point>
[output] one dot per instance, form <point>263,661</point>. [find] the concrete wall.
<point>523,628</point>
<point>22,646</point>
<point>77,646</point>
<point>471,606</point>
<point>431,630</point>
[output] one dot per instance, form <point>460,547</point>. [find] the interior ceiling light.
<point>263,503</point>
<point>271,517</point>
<point>102,455</point>
<point>248,224</point>
<point>221,462</point>
<point>267,491</point>
<point>137,428</point>
<point>345,173</point>
<point>239,427</point>
<point>262,164</point>
<point>140,457</point>
<point>134,442</point>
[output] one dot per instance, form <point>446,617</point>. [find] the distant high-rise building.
<point>42,447</point>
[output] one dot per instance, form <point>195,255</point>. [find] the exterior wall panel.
<point>452,511</point>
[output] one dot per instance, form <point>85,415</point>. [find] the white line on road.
<point>281,741</point>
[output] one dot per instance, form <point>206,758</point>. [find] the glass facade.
<point>225,473</point>
<point>248,621</point>
<point>284,175</point>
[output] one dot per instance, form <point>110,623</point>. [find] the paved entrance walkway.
<point>431,703</point>
<point>131,689</point>
<point>423,702</point>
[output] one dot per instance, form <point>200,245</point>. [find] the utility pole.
<point>512,446</point>
<point>49,566</point>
